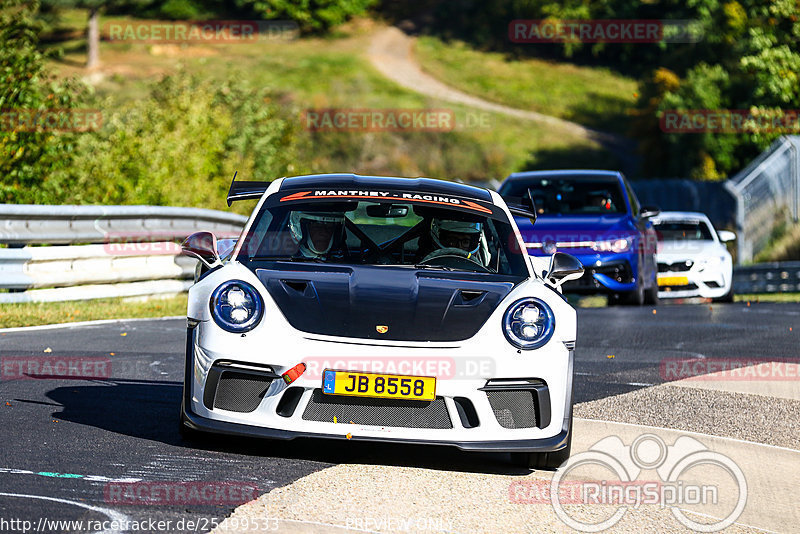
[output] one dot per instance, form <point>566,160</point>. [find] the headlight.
<point>529,323</point>
<point>613,245</point>
<point>236,306</point>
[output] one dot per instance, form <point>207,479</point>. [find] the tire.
<point>631,298</point>
<point>651,295</point>
<point>545,460</point>
<point>727,297</point>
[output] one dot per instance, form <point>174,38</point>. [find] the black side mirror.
<point>203,246</point>
<point>650,211</point>
<point>563,268</point>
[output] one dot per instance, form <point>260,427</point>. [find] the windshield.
<point>570,195</point>
<point>384,232</point>
<point>683,231</point>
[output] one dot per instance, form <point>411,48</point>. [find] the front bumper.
<point>695,282</point>
<point>487,435</point>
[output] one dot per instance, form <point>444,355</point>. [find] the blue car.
<point>596,217</point>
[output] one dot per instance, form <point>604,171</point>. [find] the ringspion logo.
<point>606,480</point>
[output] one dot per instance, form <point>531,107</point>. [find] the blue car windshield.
<point>390,233</point>
<point>567,195</point>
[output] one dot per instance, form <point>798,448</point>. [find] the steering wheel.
<point>453,257</point>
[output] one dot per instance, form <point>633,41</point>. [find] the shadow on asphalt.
<point>149,410</point>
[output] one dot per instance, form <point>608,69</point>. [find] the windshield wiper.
<point>287,258</point>
<point>435,267</point>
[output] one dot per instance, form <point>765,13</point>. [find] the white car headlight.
<point>236,306</point>
<point>529,323</point>
<point>613,245</point>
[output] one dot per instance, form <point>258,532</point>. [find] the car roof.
<point>587,173</point>
<point>680,216</point>
<point>421,185</point>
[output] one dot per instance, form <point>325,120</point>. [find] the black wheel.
<point>727,297</point>
<point>630,298</point>
<point>651,295</point>
<point>545,460</point>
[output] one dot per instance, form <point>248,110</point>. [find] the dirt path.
<point>391,52</point>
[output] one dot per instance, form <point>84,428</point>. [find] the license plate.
<point>378,385</point>
<point>673,281</point>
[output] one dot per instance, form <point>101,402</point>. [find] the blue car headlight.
<point>613,245</point>
<point>236,306</point>
<point>529,323</point>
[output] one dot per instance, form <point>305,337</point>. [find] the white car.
<point>381,309</point>
<point>693,260</point>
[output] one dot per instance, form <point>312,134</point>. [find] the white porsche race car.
<point>692,258</point>
<point>382,309</point>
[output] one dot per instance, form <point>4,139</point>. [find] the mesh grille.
<point>675,267</point>
<point>240,392</point>
<point>513,409</point>
<point>377,412</point>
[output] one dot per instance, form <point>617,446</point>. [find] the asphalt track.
<point>64,441</point>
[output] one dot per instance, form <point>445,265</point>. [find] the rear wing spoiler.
<point>242,190</point>
<point>522,207</point>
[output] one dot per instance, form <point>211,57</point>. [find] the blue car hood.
<point>575,228</point>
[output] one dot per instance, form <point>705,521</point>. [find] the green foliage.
<point>28,157</point>
<point>313,16</point>
<point>181,145</point>
<point>747,58</point>
<point>179,10</point>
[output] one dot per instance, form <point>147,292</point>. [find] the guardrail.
<point>783,277</point>
<point>124,251</point>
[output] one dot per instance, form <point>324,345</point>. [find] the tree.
<point>311,15</point>
<point>93,22</point>
<point>29,156</point>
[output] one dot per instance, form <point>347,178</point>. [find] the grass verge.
<point>39,313</point>
<point>595,97</point>
<point>768,297</point>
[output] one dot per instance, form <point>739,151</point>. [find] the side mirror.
<point>203,246</point>
<point>563,268</point>
<point>725,236</point>
<point>649,211</point>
